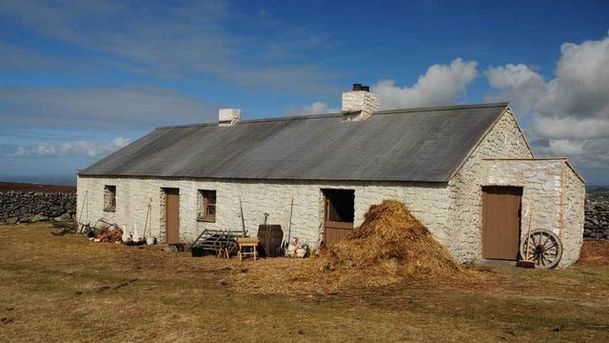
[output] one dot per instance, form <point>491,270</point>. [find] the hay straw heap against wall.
<point>391,246</point>
<point>391,241</point>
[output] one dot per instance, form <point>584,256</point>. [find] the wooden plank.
<point>334,235</point>
<point>338,225</point>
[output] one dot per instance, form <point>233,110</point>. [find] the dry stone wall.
<point>597,216</point>
<point>27,207</point>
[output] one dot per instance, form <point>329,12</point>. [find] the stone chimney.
<point>228,116</point>
<point>359,103</point>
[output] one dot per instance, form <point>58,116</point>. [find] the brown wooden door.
<point>172,215</point>
<point>339,212</point>
<point>501,222</point>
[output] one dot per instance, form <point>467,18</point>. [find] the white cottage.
<point>467,172</point>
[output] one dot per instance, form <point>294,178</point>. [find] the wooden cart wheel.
<point>544,248</point>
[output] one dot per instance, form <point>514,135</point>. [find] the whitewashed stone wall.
<point>363,101</point>
<point>505,140</point>
<point>427,202</point>
<point>574,202</point>
<point>553,193</point>
<point>541,182</point>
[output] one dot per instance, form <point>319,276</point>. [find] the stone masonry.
<point>547,184</point>
<point>27,207</point>
<point>597,216</point>
<point>362,102</point>
<point>505,140</point>
<point>427,202</point>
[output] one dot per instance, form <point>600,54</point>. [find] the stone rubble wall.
<point>541,182</point>
<point>28,207</point>
<point>505,140</point>
<point>596,226</point>
<point>574,201</point>
<point>426,201</point>
<point>552,193</point>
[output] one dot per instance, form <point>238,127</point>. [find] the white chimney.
<point>228,116</point>
<point>359,104</point>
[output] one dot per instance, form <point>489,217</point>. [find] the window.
<point>207,206</point>
<point>109,198</point>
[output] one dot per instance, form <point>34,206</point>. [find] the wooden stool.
<point>248,242</point>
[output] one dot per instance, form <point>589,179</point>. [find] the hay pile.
<point>390,247</point>
<point>391,242</point>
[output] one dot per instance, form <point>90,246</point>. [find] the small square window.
<point>109,198</point>
<point>207,206</point>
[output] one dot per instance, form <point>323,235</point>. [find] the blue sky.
<point>79,79</point>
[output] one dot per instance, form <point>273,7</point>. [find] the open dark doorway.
<point>339,213</point>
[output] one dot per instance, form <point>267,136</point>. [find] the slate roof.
<point>419,145</point>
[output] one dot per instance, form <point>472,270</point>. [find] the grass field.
<point>58,289</point>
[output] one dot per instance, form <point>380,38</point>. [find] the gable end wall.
<point>505,140</point>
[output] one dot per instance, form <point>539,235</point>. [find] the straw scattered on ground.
<point>390,247</point>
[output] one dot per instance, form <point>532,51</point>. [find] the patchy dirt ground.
<point>56,289</point>
<point>594,253</point>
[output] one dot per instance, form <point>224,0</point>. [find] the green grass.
<point>58,289</point>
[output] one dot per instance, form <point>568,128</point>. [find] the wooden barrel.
<point>270,237</point>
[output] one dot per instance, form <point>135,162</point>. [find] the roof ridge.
<point>331,115</point>
<point>444,108</point>
<point>257,120</point>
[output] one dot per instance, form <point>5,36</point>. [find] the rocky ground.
<point>597,216</point>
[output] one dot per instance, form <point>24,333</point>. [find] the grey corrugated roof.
<point>426,144</point>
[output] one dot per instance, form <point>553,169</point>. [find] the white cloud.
<point>79,148</point>
<point>571,127</point>
<point>318,107</point>
<point>569,112</point>
<point>521,85</point>
<point>440,85</point>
